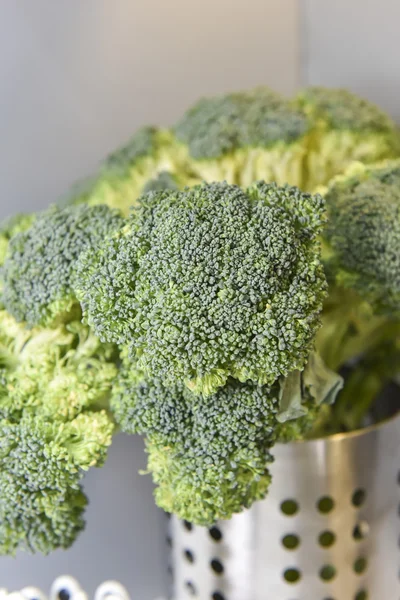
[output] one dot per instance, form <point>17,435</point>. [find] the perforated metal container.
<point>328,530</point>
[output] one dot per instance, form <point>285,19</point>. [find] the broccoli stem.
<point>354,403</point>
<point>350,329</point>
<point>366,380</point>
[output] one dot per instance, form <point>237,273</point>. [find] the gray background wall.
<point>354,44</point>
<point>77,77</point>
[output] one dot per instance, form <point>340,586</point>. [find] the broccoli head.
<point>245,136</point>
<point>40,261</point>
<point>209,456</point>
<point>54,425</point>
<point>345,128</point>
<point>211,282</point>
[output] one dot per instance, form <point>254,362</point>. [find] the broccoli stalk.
<point>350,328</point>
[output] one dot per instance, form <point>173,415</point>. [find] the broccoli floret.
<point>54,425</point>
<point>49,519</point>
<point>168,181</point>
<point>10,227</point>
<point>40,468</point>
<point>345,128</point>
<point>125,173</point>
<point>209,456</point>
<point>362,262</point>
<point>152,159</point>
<point>245,136</point>
<point>211,282</point>
<point>79,192</point>
<point>163,181</point>
<point>40,262</point>
<point>363,233</point>
<point>203,489</point>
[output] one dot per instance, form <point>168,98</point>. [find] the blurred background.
<point>77,78</point>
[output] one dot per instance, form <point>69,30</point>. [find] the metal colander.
<point>328,530</point>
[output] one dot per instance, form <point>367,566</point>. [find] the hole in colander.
<point>218,596</point>
<point>170,570</point>
<point>190,588</point>
<point>291,541</point>
<point>361,595</point>
<point>217,566</point>
<point>358,497</point>
<point>292,575</point>
<point>360,565</point>
<point>169,541</point>
<point>327,572</point>
<point>325,504</point>
<point>398,477</point>
<point>326,538</point>
<point>188,526</point>
<point>289,507</point>
<point>188,554</point>
<point>361,530</point>
<point>215,533</point>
